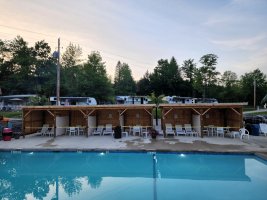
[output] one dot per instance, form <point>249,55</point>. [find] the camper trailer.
<point>78,101</point>
<point>132,100</point>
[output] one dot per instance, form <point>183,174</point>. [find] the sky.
<point>141,32</point>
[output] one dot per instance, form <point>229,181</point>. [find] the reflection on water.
<point>125,175</point>
<point>68,175</point>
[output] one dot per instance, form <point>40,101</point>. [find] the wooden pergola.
<point>89,117</point>
<point>201,115</point>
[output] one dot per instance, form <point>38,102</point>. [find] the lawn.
<point>11,114</point>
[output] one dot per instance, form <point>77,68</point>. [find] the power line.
<point>54,43</point>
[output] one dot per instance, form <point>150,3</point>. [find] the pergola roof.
<point>205,105</point>
<point>96,107</point>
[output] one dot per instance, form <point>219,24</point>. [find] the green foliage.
<point>11,114</point>
<point>247,86</point>
<point>38,101</point>
<point>72,56</point>
<point>93,80</point>
<point>123,82</point>
<point>32,70</point>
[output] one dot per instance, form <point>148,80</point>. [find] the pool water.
<point>119,175</point>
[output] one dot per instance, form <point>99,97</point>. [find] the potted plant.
<point>153,132</point>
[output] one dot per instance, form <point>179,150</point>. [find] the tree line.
<point>32,70</point>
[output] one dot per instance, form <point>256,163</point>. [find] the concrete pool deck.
<point>256,144</point>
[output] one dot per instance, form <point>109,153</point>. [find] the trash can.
<point>255,129</point>
<point>7,134</point>
<point>117,132</point>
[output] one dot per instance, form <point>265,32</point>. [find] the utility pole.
<point>58,73</point>
<point>254,93</point>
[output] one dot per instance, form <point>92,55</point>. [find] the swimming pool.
<point>124,175</point>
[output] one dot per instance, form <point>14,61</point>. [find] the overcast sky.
<point>140,32</point>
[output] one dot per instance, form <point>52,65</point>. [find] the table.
<point>234,134</point>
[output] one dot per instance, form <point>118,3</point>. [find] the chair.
<point>72,131</point>
<point>159,129</point>
<point>43,130</point>
<point>144,131</point>
<point>136,130</point>
<point>179,130</point>
<point>211,130</point>
<point>169,130</point>
<point>189,130</point>
<point>50,131</point>
<point>98,130</point>
<point>108,130</point>
<point>220,131</point>
<point>243,133</point>
<point>80,130</point>
<point>263,129</point>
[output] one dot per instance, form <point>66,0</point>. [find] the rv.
<point>78,101</point>
<point>188,100</point>
<point>14,102</point>
<point>132,100</point>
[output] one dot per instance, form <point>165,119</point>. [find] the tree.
<point>247,86</point>
<point>166,77</point>
<point>188,68</point>
<point>93,80</point>
<point>45,69</point>
<point>207,75</point>
<point>229,79</point>
<point>229,90</point>
<point>123,80</point>
<point>143,86</point>
<point>23,65</point>
<point>72,56</point>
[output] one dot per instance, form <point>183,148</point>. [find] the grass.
<point>11,114</point>
<point>258,113</point>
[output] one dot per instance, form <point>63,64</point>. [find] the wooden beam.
<point>27,114</point>
<point>123,111</point>
<point>84,114</point>
<point>148,112</point>
<point>167,112</point>
<point>196,111</point>
<point>236,111</point>
<point>91,112</point>
<point>51,113</point>
<point>206,111</point>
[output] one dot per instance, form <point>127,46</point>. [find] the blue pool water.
<point>148,176</point>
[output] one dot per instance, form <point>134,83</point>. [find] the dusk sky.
<point>140,32</point>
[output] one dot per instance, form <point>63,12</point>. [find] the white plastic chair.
<point>43,130</point>
<point>50,131</point>
<point>169,130</point>
<point>189,130</point>
<point>99,130</point>
<point>179,130</point>
<point>136,130</point>
<point>72,131</point>
<point>80,130</point>
<point>108,130</point>
<point>220,131</point>
<point>244,133</point>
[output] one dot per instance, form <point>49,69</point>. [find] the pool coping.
<point>262,155</point>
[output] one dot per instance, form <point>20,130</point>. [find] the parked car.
<point>254,119</point>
